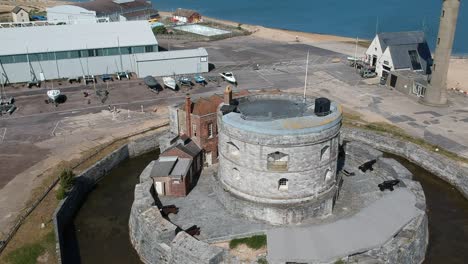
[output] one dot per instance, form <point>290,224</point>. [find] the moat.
<point>101,225</point>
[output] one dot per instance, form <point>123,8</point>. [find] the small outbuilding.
<point>168,63</point>
<point>395,51</point>
<point>186,16</point>
<point>18,15</point>
<point>177,169</point>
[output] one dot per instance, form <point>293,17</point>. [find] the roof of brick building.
<point>205,106</point>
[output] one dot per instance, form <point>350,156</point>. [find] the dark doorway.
<point>393,80</point>
<point>374,60</point>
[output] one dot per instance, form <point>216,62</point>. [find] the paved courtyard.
<point>202,208</point>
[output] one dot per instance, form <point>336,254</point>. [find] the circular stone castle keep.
<point>278,157</point>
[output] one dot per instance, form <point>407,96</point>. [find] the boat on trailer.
<point>151,82</point>
<point>53,94</point>
<point>229,76</point>
<point>170,82</point>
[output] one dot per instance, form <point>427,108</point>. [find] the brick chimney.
<point>228,95</point>
<point>188,112</point>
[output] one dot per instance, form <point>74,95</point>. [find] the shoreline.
<point>276,34</point>
<point>457,77</point>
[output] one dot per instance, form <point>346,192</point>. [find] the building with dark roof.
<point>18,14</point>
<point>394,51</point>
<point>177,169</point>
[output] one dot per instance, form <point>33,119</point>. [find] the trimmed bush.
<point>66,180</point>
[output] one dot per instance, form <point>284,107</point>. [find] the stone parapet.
<point>446,169</point>
<point>156,239</point>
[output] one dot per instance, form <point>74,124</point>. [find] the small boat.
<point>53,94</point>
<point>199,79</point>
<point>151,82</point>
<point>229,76</point>
<point>185,81</point>
<point>169,82</point>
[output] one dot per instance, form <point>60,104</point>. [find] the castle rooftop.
<point>281,114</point>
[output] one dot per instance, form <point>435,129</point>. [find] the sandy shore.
<point>458,71</point>
<point>276,34</point>
<point>458,74</point>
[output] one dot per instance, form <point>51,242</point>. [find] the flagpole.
<point>305,81</point>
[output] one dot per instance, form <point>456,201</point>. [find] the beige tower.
<point>436,93</point>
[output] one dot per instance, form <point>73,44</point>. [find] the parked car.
<point>368,74</point>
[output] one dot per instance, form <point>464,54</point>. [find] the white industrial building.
<point>64,51</point>
<point>396,51</point>
<point>172,62</point>
<point>70,14</point>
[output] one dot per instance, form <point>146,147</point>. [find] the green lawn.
<point>253,242</point>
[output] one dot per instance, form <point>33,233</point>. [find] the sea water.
<point>358,18</point>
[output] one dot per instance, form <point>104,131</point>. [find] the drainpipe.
<point>188,111</point>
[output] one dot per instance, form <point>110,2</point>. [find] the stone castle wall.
<point>409,245</point>
<point>154,237</point>
<point>446,169</point>
<point>84,183</point>
<point>248,175</point>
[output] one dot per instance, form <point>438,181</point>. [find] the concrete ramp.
<point>370,228</point>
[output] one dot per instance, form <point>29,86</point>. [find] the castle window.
<point>233,149</point>
<point>210,130</point>
<point>328,176</point>
<point>235,173</point>
<point>283,184</point>
<point>325,153</point>
<point>277,161</point>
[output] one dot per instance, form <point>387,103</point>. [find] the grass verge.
<point>354,120</point>
<point>30,253</point>
<point>253,242</point>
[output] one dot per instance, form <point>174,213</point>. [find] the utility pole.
<point>306,72</point>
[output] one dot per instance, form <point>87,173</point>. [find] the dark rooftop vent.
<point>322,106</point>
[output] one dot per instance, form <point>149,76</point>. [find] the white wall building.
<point>18,14</point>
<point>73,50</point>
<point>70,14</point>
<point>399,51</point>
<point>172,62</point>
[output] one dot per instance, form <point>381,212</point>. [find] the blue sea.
<point>358,18</point>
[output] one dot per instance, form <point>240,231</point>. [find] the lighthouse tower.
<point>436,93</point>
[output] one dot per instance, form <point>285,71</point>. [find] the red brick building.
<point>177,169</point>
<point>186,16</point>
<point>202,125</point>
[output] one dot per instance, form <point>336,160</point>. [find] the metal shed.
<point>172,62</point>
